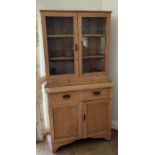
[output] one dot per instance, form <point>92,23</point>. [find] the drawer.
<point>65,97</point>
<point>96,94</point>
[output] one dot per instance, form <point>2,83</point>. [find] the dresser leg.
<point>108,137</point>
<point>54,148</point>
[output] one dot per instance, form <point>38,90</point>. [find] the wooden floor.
<point>82,147</point>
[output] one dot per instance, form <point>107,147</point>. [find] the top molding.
<point>107,11</point>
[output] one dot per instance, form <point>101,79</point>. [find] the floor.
<point>82,147</point>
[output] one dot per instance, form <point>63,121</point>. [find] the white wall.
<point>69,4</point>
<point>94,5</point>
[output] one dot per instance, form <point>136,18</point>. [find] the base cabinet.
<point>74,116</point>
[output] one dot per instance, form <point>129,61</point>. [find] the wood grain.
<point>79,103</point>
<point>58,98</point>
<point>96,116</point>
<point>66,120</point>
<point>79,87</point>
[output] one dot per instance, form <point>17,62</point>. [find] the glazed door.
<point>67,121</point>
<point>96,117</point>
<point>93,36</point>
<point>60,43</point>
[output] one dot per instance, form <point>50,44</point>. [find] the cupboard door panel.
<point>93,42</point>
<point>96,116</point>
<point>67,121</point>
<point>60,39</point>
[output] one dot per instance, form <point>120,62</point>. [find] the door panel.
<point>96,116</point>
<point>67,120</point>
<point>60,39</point>
<point>93,44</point>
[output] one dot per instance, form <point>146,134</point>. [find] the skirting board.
<point>115,125</point>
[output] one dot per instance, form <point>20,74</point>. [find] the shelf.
<point>61,58</point>
<point>93,70</point>
<point>93,35</point>
<point>60,35</point>
<point>93,56</point>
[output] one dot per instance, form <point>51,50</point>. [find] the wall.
<point>93,5</point>
<point>69,4</point>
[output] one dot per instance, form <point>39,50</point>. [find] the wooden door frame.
<point>73,14</point>
<point>94,14</point>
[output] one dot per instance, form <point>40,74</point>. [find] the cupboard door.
<point>67,121</point>
<point>93,42</point>
<point>60,41</point>
<point>96,119</point>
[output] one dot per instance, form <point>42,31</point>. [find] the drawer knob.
<point>97,93</point>
<point>66,96</point>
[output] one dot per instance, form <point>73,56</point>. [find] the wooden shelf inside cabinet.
<point>60,35</point>
<point>61,58</point>
<point>93,35</point>
<point>93,56</point>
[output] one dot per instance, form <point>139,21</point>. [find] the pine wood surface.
<point>79,87</point>
<point>79,90</point>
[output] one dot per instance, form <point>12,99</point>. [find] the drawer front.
<point>96,94</point>
<point>65,97</point>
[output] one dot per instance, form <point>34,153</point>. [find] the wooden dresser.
<point>76,49</point>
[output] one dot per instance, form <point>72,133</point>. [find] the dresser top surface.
<point>79,87</point>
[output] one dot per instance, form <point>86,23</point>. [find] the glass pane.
<point>59,25</point>
<point>93,65</point>
<point>60,47</point>
<point>93,45</point>
<point>61,67</point>
<point>61,55</point>
<point>93,25</point>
